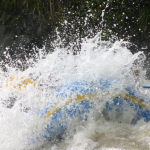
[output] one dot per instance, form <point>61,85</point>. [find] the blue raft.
<point>77,100</point>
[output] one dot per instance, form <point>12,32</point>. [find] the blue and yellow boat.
<point>77,100</point>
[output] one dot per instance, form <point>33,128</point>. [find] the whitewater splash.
<point>19,113</point>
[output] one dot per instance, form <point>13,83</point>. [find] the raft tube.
<point>77,100</point>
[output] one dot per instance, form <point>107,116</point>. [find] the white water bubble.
<point>97,59</point>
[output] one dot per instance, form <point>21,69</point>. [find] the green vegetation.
<point>51,10</point>
<point>11,10</point>
<point>123,18</point>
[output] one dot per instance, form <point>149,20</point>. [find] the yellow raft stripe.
<point>135,100</point>
<point>95,96</point>
<point>77,98</point>
<point>22,82</point>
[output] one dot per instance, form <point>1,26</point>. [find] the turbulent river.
<point>97,59</point>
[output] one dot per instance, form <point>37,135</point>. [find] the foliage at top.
<point>123,18</point>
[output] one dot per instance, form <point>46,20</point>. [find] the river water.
<point>97,59</point>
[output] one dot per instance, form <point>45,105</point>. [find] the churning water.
<point>98,59</point>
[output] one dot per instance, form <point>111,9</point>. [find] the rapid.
<point>19,109</point>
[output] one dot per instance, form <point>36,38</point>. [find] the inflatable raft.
<point>75,101</point>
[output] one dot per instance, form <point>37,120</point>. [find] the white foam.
<point>97,59</point>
